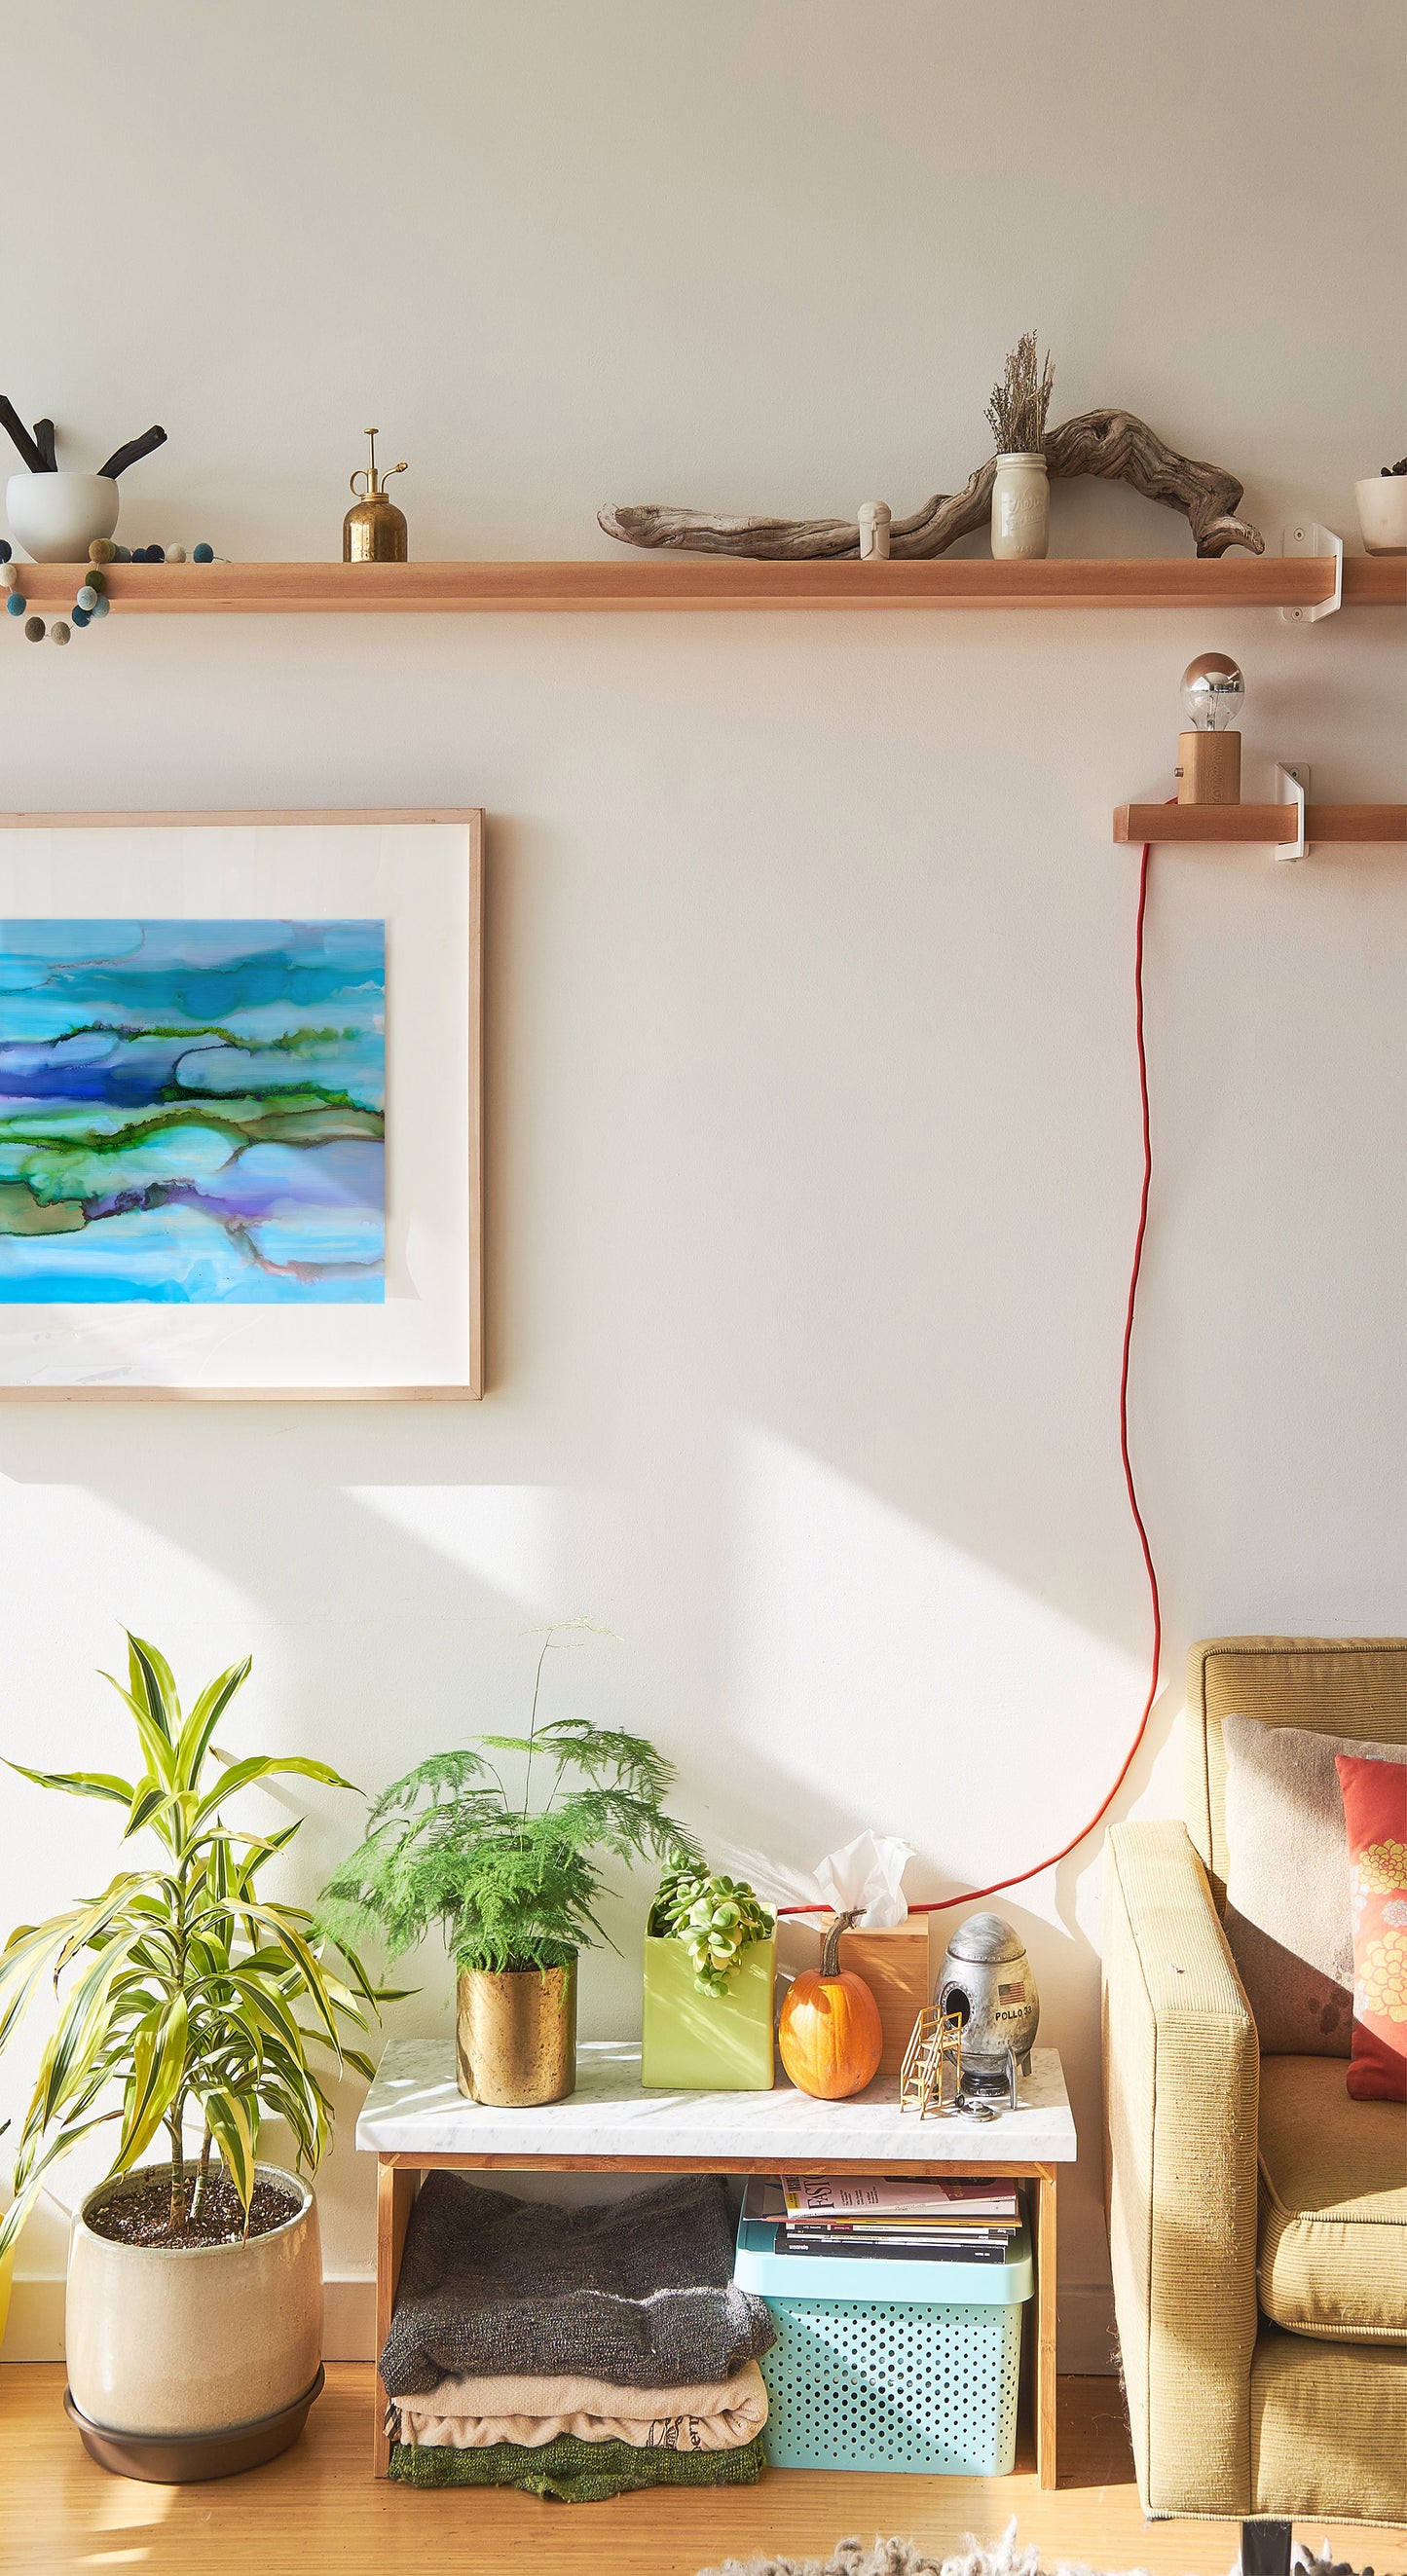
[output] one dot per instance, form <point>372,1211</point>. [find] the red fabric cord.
<point>942,1904</point>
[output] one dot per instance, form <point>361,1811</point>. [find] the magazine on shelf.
<point>950,2232</point>
<point>835,2244</point>
<point>879,2200</point>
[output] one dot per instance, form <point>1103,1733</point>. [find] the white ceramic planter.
<point>1020,510</point>
<point>55,517</point>
<point>193,2340</point>
<point>1382,513</point>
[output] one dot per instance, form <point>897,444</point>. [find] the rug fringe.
<point>896,2557</point>
<point>905,2558</point>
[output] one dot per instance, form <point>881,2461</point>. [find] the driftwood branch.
<point>1122,448</point>
<point>1114,444</point>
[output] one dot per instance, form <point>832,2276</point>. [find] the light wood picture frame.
<point>401,887</point>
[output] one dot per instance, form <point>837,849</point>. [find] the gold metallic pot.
<point>515,2035</point>
<point>375,530</point>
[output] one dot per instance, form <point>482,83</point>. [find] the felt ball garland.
<point>91,600</point>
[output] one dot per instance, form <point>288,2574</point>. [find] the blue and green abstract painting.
<point>192,1112</point>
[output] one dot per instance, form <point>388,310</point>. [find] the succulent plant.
<point>716,1919</point>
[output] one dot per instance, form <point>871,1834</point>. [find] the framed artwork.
<point>241,1105</point>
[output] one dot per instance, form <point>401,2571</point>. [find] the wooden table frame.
<point>398,2177</point>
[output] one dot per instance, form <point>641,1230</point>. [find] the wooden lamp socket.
<point>1209,769</point>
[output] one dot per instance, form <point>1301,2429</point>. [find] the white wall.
<point>813,1130</point>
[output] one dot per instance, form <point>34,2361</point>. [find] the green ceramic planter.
<point>697,2043</point>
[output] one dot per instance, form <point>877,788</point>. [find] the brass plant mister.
<point>374,530</point>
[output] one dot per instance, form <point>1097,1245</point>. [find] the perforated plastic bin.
<point>889,2365</point>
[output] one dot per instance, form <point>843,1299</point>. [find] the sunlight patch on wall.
<point>936,1696</point>
<point>511,1537</point>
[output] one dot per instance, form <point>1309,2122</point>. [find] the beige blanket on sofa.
<point>468,2414</point>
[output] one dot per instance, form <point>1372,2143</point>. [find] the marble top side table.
<point>415,2121</point>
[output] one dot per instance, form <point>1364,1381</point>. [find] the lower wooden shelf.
<point>1274,823</point>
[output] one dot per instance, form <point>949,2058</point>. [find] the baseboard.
<point>1088,2348</point>
<point>1089,2340</point>
<point>35,2331</point>
<point>349,2320</point>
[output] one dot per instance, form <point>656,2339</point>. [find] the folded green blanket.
<point>574,2471</point>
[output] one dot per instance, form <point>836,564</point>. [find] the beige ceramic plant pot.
<point>190,2341</point>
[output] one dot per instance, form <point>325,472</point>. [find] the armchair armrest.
<point>1181,2088</point>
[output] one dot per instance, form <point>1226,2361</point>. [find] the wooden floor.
<point>317,2508</point>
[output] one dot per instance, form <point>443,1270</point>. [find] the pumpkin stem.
<point>830,1954</point>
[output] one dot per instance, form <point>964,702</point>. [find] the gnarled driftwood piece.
<point>1114,444</point>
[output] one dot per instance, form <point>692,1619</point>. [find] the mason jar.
<point>1020,510</point>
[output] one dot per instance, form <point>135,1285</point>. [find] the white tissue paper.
<point>867,1873</point>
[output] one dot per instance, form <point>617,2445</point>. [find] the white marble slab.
<point>415,2106</point>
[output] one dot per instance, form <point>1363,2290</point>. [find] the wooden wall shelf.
<point>1276,823</point>
<point>668,581</point>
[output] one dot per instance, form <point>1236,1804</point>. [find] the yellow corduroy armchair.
<point>1257,2216</point>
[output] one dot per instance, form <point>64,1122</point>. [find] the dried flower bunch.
<point>1020,403</point>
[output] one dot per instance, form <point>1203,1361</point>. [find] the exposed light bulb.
<point>1213,692</point>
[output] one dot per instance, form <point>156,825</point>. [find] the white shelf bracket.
<point>1292,788</point>
<point>1306,537</point>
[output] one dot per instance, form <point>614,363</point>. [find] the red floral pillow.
<point>1375,1811</point>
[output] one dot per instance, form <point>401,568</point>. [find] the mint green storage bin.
<point>890,2365</point>
<point>695,2043</point>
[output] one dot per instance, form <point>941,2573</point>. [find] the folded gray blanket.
<point>639,2291</point>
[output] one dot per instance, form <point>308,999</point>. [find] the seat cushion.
<point>1328,2429</point>
<point>1332,2259</point>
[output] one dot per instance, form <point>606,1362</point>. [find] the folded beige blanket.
<point>468,2414</point>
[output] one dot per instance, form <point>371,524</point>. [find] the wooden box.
<point>1209,769</point>
<point>900,1967</point>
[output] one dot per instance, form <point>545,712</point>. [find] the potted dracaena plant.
<point>194,2307</point>
<point>502,1853</point>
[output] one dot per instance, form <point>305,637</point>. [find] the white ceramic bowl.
<point>1382,513</point>
<point>55,517</point>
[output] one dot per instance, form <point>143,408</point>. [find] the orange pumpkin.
<point>830,2034</point>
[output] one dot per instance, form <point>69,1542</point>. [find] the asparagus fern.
<point>459,1842</point>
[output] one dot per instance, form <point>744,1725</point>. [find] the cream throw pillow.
<point>1287,1896</point>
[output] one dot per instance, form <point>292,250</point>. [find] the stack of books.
<point>893,2217</point>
